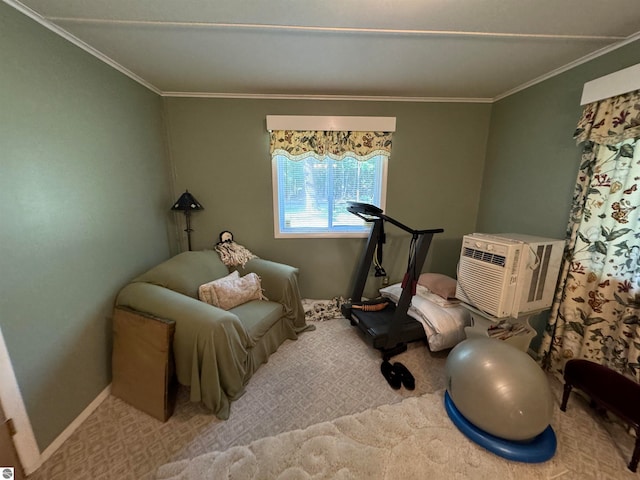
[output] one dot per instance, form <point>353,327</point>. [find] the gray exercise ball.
<point>499,388</point>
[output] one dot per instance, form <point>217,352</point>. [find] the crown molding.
<point>79,43</point>
<point>569,66</point>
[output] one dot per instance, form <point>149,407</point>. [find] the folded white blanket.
<point>443,320</point>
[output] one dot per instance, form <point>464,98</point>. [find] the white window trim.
<point>612,85</point>
<point>276,215</point>
<point>331,123</point>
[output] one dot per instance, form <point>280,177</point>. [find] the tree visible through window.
<point>316,172</point>
<point>312,193</point>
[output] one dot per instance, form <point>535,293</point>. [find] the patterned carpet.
<point>327,373</point>
<point>410,440</point>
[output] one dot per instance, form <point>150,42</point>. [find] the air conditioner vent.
<point>506,275</point>
<point>487,257</point>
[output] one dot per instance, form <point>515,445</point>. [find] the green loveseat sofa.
<point>215,351</point>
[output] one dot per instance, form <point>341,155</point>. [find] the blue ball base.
<point>539,449</point>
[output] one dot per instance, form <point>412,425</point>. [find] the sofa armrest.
<point>170,305</point>
<point>274,276</point>
<point>280,284</point>
<point>210,344</point>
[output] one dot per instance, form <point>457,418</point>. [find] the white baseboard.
<point>14,408</point>
<point>73,426</point>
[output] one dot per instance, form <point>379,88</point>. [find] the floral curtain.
<point>297,145</point>
<point>597,306</point>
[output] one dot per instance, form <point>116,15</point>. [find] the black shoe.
<point>405,376</point>
<point>390,374</point>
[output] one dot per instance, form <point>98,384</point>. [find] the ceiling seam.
<point>359,98</point>
<point>356,30</point>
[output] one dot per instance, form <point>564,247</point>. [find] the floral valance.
<point>337,145</point>
<point>610,121</point>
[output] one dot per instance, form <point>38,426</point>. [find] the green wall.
<point>532,160</point>
<point>84,189</point>
<point>220,152</point>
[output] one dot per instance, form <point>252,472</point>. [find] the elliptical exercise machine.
<point>388,329</point>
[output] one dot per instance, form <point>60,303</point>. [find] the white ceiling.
<point>477,50</point>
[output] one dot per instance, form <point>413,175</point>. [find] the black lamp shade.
<point>187,202</point>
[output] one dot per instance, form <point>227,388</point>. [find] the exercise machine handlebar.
<point>370,213</point>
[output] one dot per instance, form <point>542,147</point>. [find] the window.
<point>322,163</point>
<point>311,194</point>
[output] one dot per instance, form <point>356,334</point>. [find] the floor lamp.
<point>187,203</point>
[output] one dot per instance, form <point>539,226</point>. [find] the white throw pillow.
<point>232,290</point>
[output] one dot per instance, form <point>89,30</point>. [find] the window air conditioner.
<point>508,275</point>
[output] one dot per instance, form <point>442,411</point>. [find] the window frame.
<point>332,234</point>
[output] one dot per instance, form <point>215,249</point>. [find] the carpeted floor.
<point>411,440</point>
<point>326,374</point>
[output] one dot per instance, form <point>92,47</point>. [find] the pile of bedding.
<point>434,305</point>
